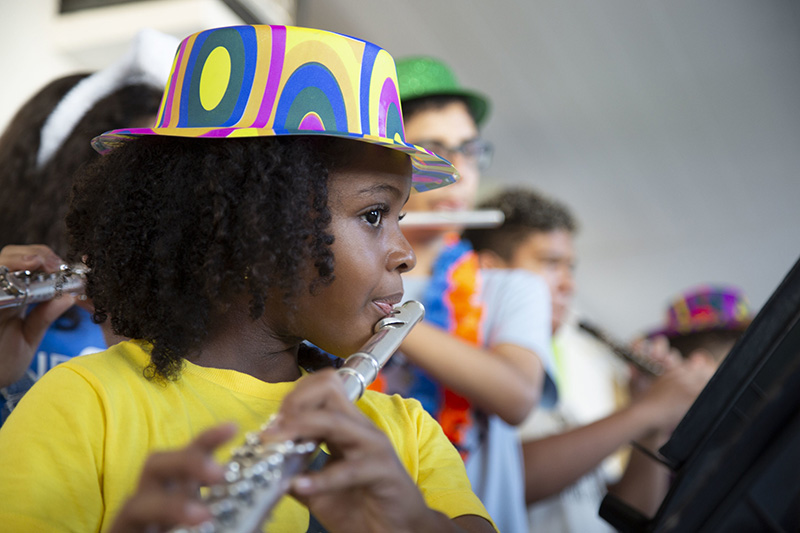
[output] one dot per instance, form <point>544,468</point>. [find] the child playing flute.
<point>262,210</point>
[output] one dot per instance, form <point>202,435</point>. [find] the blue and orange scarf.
<point>453,302</point>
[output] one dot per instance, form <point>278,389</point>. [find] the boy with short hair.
<point>564,485</point>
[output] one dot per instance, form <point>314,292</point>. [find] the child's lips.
<point>385,308</point>
<point>386,305</point>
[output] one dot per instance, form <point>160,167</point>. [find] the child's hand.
<point>20,335</point>
<point>363,487</point>
<point>672,393</point>
<point>168,492</point>
<point>657,350</point>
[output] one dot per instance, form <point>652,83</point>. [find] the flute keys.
<point>242,490</point>
<point>224,511</point>
<point>206,527</point>
<point>233,472</point>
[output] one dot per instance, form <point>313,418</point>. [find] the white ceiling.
<point>671,128</point>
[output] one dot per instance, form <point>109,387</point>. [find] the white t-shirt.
<point>589,381</point>
<point>516,310</point>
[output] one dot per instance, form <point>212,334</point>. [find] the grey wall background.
<point>672,128</point>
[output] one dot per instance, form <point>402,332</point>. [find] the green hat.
<point>423,76</point>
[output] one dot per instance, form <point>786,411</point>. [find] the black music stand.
<point>736,453</point>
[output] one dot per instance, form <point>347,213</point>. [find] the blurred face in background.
<point>450,132</point>
<point>551,255</point>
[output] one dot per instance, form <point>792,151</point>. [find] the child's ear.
<point>489,259</point>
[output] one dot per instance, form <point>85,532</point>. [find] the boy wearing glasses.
<point>478,361</point>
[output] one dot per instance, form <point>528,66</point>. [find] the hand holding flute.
<point>20,335</point>
<point>362,487</point>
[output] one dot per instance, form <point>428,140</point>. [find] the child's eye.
<point>402,216</point>
<point>373,217</point>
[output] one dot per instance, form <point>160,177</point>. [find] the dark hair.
<point>526,212</point>
<point>718,342</point>
<point>414,106</point>
<point>175,229</point>
<point>33,210</point>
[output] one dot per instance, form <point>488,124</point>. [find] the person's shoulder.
<point>389,403</point>
<point>507,279</point>
<point>393,412</point>
<point>111,365</point>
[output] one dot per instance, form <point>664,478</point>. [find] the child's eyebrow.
<point>381,187</point>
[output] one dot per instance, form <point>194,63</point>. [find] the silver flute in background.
<point>482,218</point>
<point>259,474</point>
<point>24,287</point>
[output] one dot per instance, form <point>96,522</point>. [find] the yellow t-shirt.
<point>72,452</point>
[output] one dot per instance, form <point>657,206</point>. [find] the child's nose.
<point>402,257</point>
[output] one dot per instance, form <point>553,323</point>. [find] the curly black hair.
<point>175,229</point>
<point>525,212</point>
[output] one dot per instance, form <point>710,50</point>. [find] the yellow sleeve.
<point>428,456</point>
<point>51,448</point>
<point>442,478</point>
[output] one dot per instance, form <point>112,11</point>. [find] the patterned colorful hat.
<point>706,308</point>
<point>251,81</point>
<point>424,76</point>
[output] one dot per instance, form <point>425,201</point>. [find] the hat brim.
<point>675,334</point>
<point>429,171</point>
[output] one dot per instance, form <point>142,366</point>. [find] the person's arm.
<point>20,335</point>
<point>645,482</point>
<point>556,462</point>
<point>505,380</point>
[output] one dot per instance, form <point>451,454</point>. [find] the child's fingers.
<point>30,257</point>
<point>159,512</point>
<point>321,390</point>
<point>213,438</point>
<point>342,432</point>
<point>187,468</point>
<point>43,315</point>
<point>374,471</point>
<point>168,489</point>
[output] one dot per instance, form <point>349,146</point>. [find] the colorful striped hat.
<point>706,308</point>
<point>252,81</point>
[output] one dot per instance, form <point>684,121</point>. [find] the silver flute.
<point>23,287</point>
<point>479,218</point>
<point>640,361</point>
<point>259,474</point>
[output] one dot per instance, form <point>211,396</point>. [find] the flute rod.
<point>642,363</point>
<point>24,287</point>
<point>481,218</point>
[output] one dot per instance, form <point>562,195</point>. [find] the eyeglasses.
<point>476,152</point>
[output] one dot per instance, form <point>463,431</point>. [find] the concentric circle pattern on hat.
<point>252,81</point>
